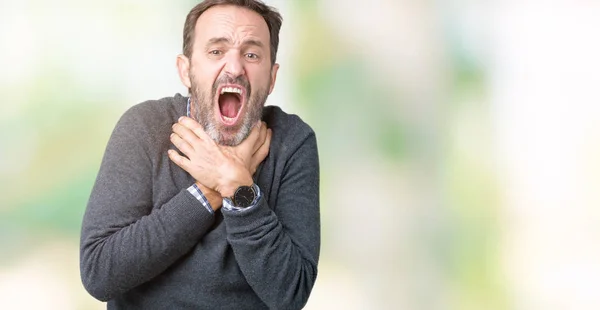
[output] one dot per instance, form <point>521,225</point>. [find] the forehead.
<point>232,22</point>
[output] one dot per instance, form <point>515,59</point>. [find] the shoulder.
<point>153,116</point>
<point>148,124</point>
<point>289,125</point>
<point>158,111</point>
<point>290,132</point>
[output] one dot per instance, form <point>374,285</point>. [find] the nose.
<point>234,66</point>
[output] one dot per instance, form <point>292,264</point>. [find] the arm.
<point>124,241</point>
<point>277,248</point>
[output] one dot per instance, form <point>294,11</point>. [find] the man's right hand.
<point>257,146</point>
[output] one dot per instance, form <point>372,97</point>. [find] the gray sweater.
<point>147,243</point>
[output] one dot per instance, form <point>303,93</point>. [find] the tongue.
<point>229,105</point>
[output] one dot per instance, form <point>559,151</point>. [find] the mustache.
<point>226,79</point>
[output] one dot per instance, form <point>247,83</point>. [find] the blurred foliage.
<point>344,99</point>
<point>63,138</point>
<point>66,124</point>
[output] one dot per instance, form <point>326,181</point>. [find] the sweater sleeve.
<point>277,248</point>
<point>124,240</point>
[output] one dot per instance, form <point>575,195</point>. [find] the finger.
<point>266,146</point>
<point>181,144</point>
<point>261,153</point>
<point>262,135</point>
<point>179,160</point>
<point>254,133</point>
<point>262,140</point>
<point>189,122</point>
<point>200,133</point>
<point>246,148</point>
<point>195,127</point>
<point>187,135</point>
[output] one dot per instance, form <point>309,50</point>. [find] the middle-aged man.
<point>198,203</point>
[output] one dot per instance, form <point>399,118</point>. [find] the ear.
<point>273,77</point>
<point>183,68</point>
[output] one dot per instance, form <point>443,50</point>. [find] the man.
<point>198,204</point>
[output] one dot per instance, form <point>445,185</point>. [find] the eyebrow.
<point>226,40</point>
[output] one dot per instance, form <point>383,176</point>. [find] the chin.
<point>228,136</point>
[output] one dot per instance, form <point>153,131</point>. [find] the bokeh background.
<point>459,143</point>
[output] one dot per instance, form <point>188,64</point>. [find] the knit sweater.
<point>147,243</point>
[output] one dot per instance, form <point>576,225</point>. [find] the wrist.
<point>245,197</point>
<point>230,184</point>
<point>214,198</point>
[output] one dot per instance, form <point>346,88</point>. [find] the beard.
<point>204,102</point>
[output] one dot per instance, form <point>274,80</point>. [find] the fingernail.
<point>181,118</point>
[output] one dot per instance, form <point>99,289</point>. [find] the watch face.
<point>244,196</point>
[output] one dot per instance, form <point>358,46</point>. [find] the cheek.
<point>205,72</point>
<point>259,79</point>
<point>203,84</point>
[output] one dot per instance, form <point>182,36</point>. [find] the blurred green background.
<point>459,143</point>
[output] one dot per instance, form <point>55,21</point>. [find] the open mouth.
<point>231,102</point>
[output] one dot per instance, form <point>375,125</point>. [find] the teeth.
<point>234,90</point>
<point>229,119</point>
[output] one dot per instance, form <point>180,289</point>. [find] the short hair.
<point>270,15</point>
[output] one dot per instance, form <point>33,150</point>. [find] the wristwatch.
<point>243,196</point>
